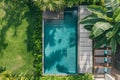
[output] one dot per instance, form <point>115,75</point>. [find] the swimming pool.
<point>60,44</point>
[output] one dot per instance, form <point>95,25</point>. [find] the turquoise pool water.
<point>60,44</point>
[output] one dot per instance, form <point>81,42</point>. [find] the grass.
<point>15,56</point>
<point>14,53</point>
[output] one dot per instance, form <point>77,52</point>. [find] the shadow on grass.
<point>13,17</point>
<point>34,36</point>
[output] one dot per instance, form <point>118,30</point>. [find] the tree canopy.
<point>55,5</point>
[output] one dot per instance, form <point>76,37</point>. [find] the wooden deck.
<point>85,57</point>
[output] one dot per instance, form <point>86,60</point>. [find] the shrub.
<point>72,77</point>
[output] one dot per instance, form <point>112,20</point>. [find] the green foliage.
<point>51,5</point>
<point>36,40</point>
<point>99,28</point>
<point>113,43</point>
<point>56,5</point>
<point>116,15</point>
<point>72,3</point>
<point>89,20</point>
<point>104,24</point>
<point>74,77</point>
<point>82,77</point>
<point>99,11</point>
<point>7,75</point>
<point>111,6</point>
<point>2,69</point>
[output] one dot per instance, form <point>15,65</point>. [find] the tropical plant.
<point>90,1</point>
<point>86,76</point>
<point>104,24</point>
<point>56,5</point>
<point>52,5</point>
<point>7,75</point>
<point>73,3</point>
<point>35,40</point>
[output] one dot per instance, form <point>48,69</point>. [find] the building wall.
<point>85,56</point>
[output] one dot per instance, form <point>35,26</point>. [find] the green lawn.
<point>15,56</point>
<point>14,53</point>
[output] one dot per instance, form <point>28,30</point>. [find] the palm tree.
<point>52,5</point>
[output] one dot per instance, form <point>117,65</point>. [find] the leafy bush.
<point>7,75</point>
<point>2,69</point>
<point>82,77</point>
<point>103,24</point>
<point>56,5</point>
<point>73,3</point>
<point>74,77</point>
<point>36,40</point>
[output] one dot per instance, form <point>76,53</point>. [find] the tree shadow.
<point>62,69</point>
<point>49,36</point>
<point>54,57</point>
<point>14,15</point>
<point>59,47</point>
<point>34,29</point>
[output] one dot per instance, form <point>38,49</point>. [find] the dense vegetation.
<point>6,75</point>
<point>75,77</point>
<point>55,5</point>
<point>29,13</point>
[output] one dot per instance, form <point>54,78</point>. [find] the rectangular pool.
<point>60,44</point>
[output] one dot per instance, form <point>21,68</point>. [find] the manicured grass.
<point>15,56</point>
<point>14,37</point>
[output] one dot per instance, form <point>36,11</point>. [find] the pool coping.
<point>42,46</point>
